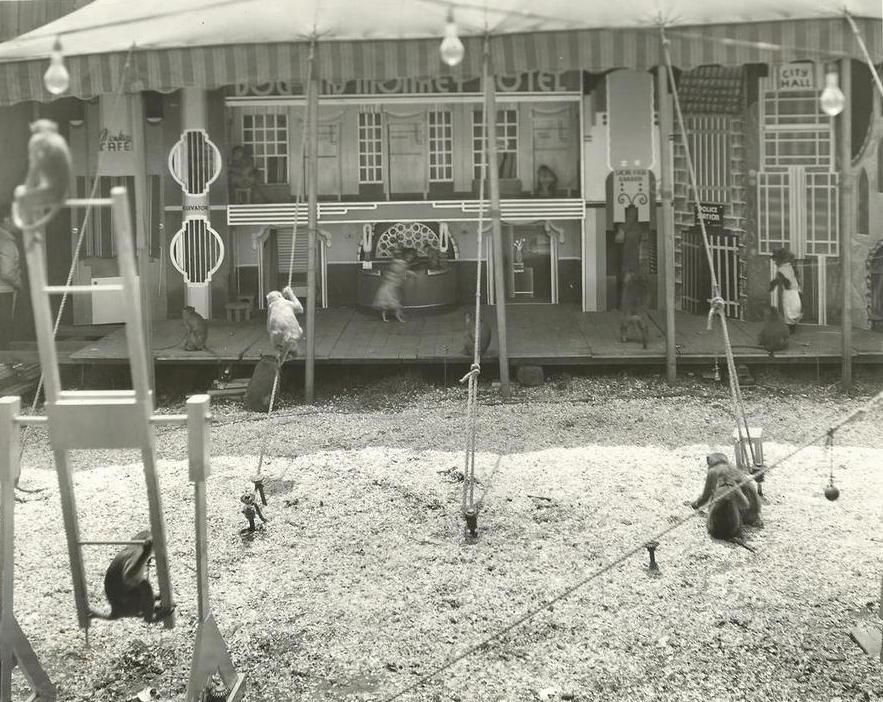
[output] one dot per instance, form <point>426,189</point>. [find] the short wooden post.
<point>10,467</point>
<point>15,649</point>
<point>210,653</point>
<point>198,453</point>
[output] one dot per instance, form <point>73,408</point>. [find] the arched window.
<point>864,222</point>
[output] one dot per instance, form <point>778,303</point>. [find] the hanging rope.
<point>469,507</point>
<point>114,110</point>
<point>717,301</point>
<point>297,202</point>
<point>864,49</point>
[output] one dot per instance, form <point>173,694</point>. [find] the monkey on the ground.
<point>774,335</point>
<point>49,176</point>
<point>250,507</point>
<point>635,298</point>
<point>282,325</point>
<point>126,585</point>
<point>727,514</point>
<point>484,338</point>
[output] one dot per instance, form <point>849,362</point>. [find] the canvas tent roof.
<point>211,43</point>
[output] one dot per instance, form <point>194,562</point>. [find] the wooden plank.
<point>555,333</point>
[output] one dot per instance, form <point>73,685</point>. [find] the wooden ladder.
<point>99,419</point>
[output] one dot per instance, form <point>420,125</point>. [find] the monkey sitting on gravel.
<point>727,515</point>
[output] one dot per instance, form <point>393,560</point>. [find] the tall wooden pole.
<point>665,221</point>
<point>490,112</point>
<point>312,223</point>
<point>142,245</point>
<point>847,222</point>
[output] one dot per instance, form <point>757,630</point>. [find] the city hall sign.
<point>528,82</point>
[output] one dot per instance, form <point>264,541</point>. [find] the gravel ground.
<point>362,581</point>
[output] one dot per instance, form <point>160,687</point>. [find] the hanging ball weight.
<point>832,492</point>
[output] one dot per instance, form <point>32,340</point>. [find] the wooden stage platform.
<point>542,334</point>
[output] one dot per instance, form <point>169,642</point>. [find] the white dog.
<point>282,326</point>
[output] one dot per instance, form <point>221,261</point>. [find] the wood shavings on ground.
<point>363,581</point>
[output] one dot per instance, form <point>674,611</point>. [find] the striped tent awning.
<point>172,44</point>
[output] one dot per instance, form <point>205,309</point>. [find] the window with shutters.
<point>370,148</point>
<point>507,143</point>
<point>441,146</point>
<point>265,137</point>
<point>708,138</point>
<point>99,239</point>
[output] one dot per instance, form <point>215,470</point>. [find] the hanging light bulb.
<point>56,79</point>
<point>832,100</point>
<point>451,48</point>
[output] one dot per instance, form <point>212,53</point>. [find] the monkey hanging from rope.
<point>282,326</point>
<point>727,515</point>
<point>127,587</point>
<point>48,180</point>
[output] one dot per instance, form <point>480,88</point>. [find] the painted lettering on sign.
<point>528,82</point>
<point>712,213</point>
<point>796,76</point>
<point>114,142</point>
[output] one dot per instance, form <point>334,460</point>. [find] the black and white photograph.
<point>441,351</point>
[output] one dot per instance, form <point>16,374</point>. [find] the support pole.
<point>666,220</point>
<point>10,468</point>
<point>490,117</point>
<point>847,222</point>
<point>142,245</point>
<point>312,224</point>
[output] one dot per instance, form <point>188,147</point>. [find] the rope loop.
<point>474,372</point>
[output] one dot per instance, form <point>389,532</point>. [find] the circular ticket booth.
<point>434,285</point>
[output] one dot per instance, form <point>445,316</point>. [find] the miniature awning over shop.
<point>215,43</point>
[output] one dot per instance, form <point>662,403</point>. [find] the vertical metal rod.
<point>313,222</point>
<point>847,220</point>
<point>666,223</point>
<point>202,588</point>
<point>490,111</point>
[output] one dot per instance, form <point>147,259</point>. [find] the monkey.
<point>250,507</point>
<point>49,176</point>
<point>484,339</point>
<point>727,514</point>
<point>195,333</point>
<point>126,585</point>
<point>774,335</point>
<point>197,329</point>
<point>282,325</point>
<point>634,307</point>
<point>257,394</point>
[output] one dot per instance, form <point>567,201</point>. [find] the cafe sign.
<point>108,141</point>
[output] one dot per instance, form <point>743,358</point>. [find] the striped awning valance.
<point>590,50</point>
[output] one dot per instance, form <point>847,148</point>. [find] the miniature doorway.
<point>275,247</point>
<point>530,261</point>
